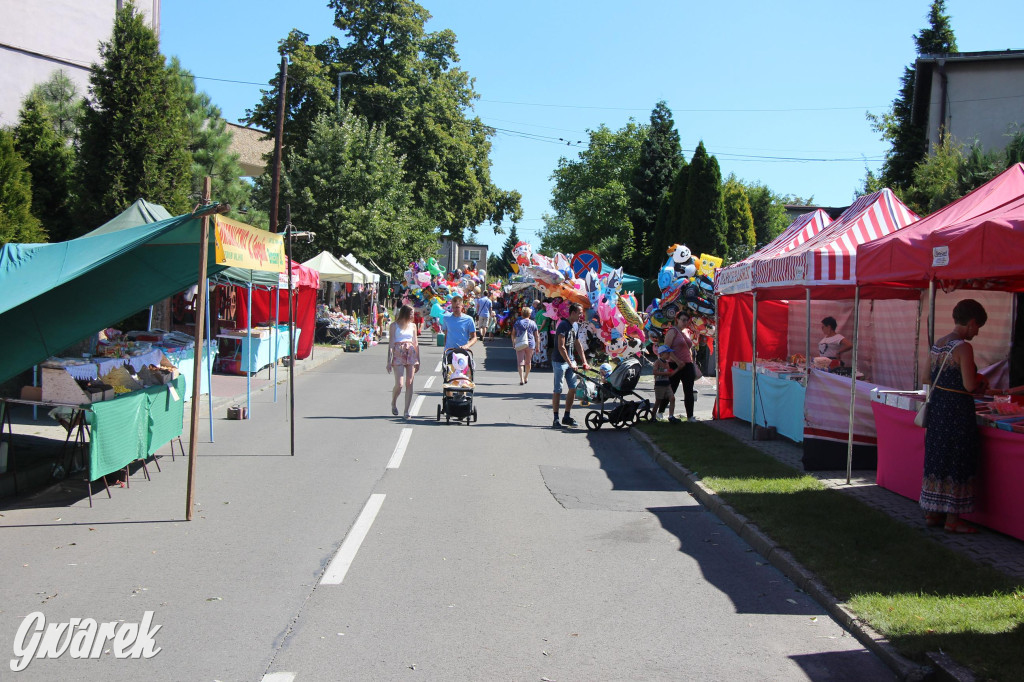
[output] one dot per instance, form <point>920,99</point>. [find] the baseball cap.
<point>664,349</point>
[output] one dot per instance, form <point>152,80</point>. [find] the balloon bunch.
<point>428,286</point>
<point>683,287</point>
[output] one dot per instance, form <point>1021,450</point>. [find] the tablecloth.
<point>780,403</point>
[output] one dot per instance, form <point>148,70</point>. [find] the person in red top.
<point>678,338</point>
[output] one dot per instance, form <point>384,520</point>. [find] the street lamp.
<point>337,91</point>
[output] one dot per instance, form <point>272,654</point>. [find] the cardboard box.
<point>32,393</point>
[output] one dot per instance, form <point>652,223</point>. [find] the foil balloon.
<point>522,253</point>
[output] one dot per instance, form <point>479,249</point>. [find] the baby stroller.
<point>620,385</point>
<point>457,389</point>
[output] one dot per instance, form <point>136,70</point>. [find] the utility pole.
<point>275,176</point>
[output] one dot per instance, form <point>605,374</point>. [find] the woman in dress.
<point>524,331</point>
<point>952,442</point>
<point>540,353</point>
<point>678,338</point>
<point>403,356</point>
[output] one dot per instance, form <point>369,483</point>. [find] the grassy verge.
<point>916,592</point>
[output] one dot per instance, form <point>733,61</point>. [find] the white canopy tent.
<point>333,270</point>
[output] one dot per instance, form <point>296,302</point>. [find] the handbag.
<point>523,340</point>
<point>921,419</point>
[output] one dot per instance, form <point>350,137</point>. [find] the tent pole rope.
<point>193,427</point>
<point>853,383</point>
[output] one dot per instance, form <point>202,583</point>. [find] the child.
<point>665,367</point>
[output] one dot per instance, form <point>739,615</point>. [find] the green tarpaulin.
<point>54,295</point>
<point>140,213</point>
<point>629,282</point>
<point>152,416</point>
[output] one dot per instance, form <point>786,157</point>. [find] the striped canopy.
<point>738,277</point>
<point>827,260</point>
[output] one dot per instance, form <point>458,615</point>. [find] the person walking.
<point>567,349</point>
<point>540,353</point>
<point>952,444</point>
<point>664,368</point>
<point>483,314</point>
<point>678,338</point>
<point>459,328</point>
<point>403,356</point>
<point>525,339</point>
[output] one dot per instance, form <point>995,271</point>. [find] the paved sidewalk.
<point>1000,551</point>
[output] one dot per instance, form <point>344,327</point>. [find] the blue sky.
<point>752,79</point>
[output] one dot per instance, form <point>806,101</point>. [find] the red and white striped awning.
<point>828,259</point>
<point>738,277</point>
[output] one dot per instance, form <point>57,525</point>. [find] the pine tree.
<point>908,141</point>
<point>63,103</point>
<point>668,229</point>
<point>17,224</point>
<point>211,146</point>
<point>501,267</point>
<point>739,220</point>
<point>135,139</point>
<point>50,164</point>
<point>768,211</point>
<point>660,160</point>
<point>703,219</point>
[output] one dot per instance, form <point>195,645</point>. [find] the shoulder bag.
<point>922,412</point>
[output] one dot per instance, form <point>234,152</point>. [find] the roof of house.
<point>927,63</point>
<point>252,146</point>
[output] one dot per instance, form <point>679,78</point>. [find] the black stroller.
<point>457,390</point>
<point>620,385</point>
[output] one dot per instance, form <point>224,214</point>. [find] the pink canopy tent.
<point>974,242</point>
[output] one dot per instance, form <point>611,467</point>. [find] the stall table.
<point>256,352</point>
<point>779,403</point>
<point>184,359</point>
<point>999,504</point>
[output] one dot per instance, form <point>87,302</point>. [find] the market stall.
<point>968,249</point>
<point>270,307</point>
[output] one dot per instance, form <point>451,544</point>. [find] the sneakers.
<point>675,420</point>
<point>556,424</point>
<point>570,422</point>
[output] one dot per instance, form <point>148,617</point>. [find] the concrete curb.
<point>904,668</point>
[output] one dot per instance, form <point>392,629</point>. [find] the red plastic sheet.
<point>735,322</point>
<point>263,310</point>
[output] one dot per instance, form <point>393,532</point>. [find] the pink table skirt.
<point>1000,502</point>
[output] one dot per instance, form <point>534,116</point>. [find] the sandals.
<point>394,410</point>
<point>959,527</point>
<point>934,519</point>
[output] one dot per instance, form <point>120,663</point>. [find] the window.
<point>473,254</point>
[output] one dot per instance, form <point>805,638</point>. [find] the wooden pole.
<point>197,366</point>
<point>275,175</point>
<point>291,332</point>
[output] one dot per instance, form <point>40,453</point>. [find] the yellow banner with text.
<point>244,246</point>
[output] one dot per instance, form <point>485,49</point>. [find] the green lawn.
<point>916,592</point>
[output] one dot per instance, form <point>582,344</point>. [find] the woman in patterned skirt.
<point>952,442</point>
<point>403,356</point>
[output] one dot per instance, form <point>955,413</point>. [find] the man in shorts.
<point>567,349</point>
<point>483,314</point>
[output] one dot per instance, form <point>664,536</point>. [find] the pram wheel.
<point>593,420</point>
<point>643,415</point>
<point>438,413</point>
<point>474,415</point>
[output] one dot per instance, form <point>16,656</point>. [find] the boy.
<point>665,367</point>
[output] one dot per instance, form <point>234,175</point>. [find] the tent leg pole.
<point>250,355</point>
<point>291,334</point>
<point>209,363</point>
<point>753,372</point>
<point>931,313</point>
<point>917,344</point>
<point>853,383</point>
<point>807,347</point>
<point>193,427</point>
<point>719,373</point>
<point>277,337</point>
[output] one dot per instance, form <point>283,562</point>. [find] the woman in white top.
<point>832,345</point>
<point>403,355</point>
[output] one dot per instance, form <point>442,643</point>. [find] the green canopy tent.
<point>140,213</point>
<point>53,295</point>
<point>629,282</point>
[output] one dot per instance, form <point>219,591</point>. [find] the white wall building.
<point>38,37</point>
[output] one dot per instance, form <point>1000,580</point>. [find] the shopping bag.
<point>921,419</point>
<point>522,341</point>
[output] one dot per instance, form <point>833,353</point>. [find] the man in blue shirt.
<point>483,314</point>
<point>459,329</point>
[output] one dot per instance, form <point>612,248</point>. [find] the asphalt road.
<point>504,550</point>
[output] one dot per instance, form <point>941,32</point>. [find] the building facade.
<point>971,95</point>
<point>39,37</point>
<point>458,256</point>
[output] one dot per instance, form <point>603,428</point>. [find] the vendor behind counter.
<point>833,344</point>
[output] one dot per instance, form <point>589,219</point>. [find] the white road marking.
<point>438,368</point>
<point>341,562</point>
<point>429,382</point>
<point>399,453</point>
<point>278,677</point>
<point>416,405</point>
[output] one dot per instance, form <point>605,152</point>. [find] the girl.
<point>403,355</point>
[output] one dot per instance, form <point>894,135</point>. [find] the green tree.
<point>669,226</point>
<point>63,104</point>
<point>739,221</point>
<point>498,264</point>
<point>591,199</point>
<point>347,185</point>
<point>768,211</point>
<point>660,158</point>
<point>703,221</point>
<point>135,138</point>
<point>211,147</point>
<point>17,224</point>
<point>51,166</point>
<point>907,141</point>
<point>407,80</point>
